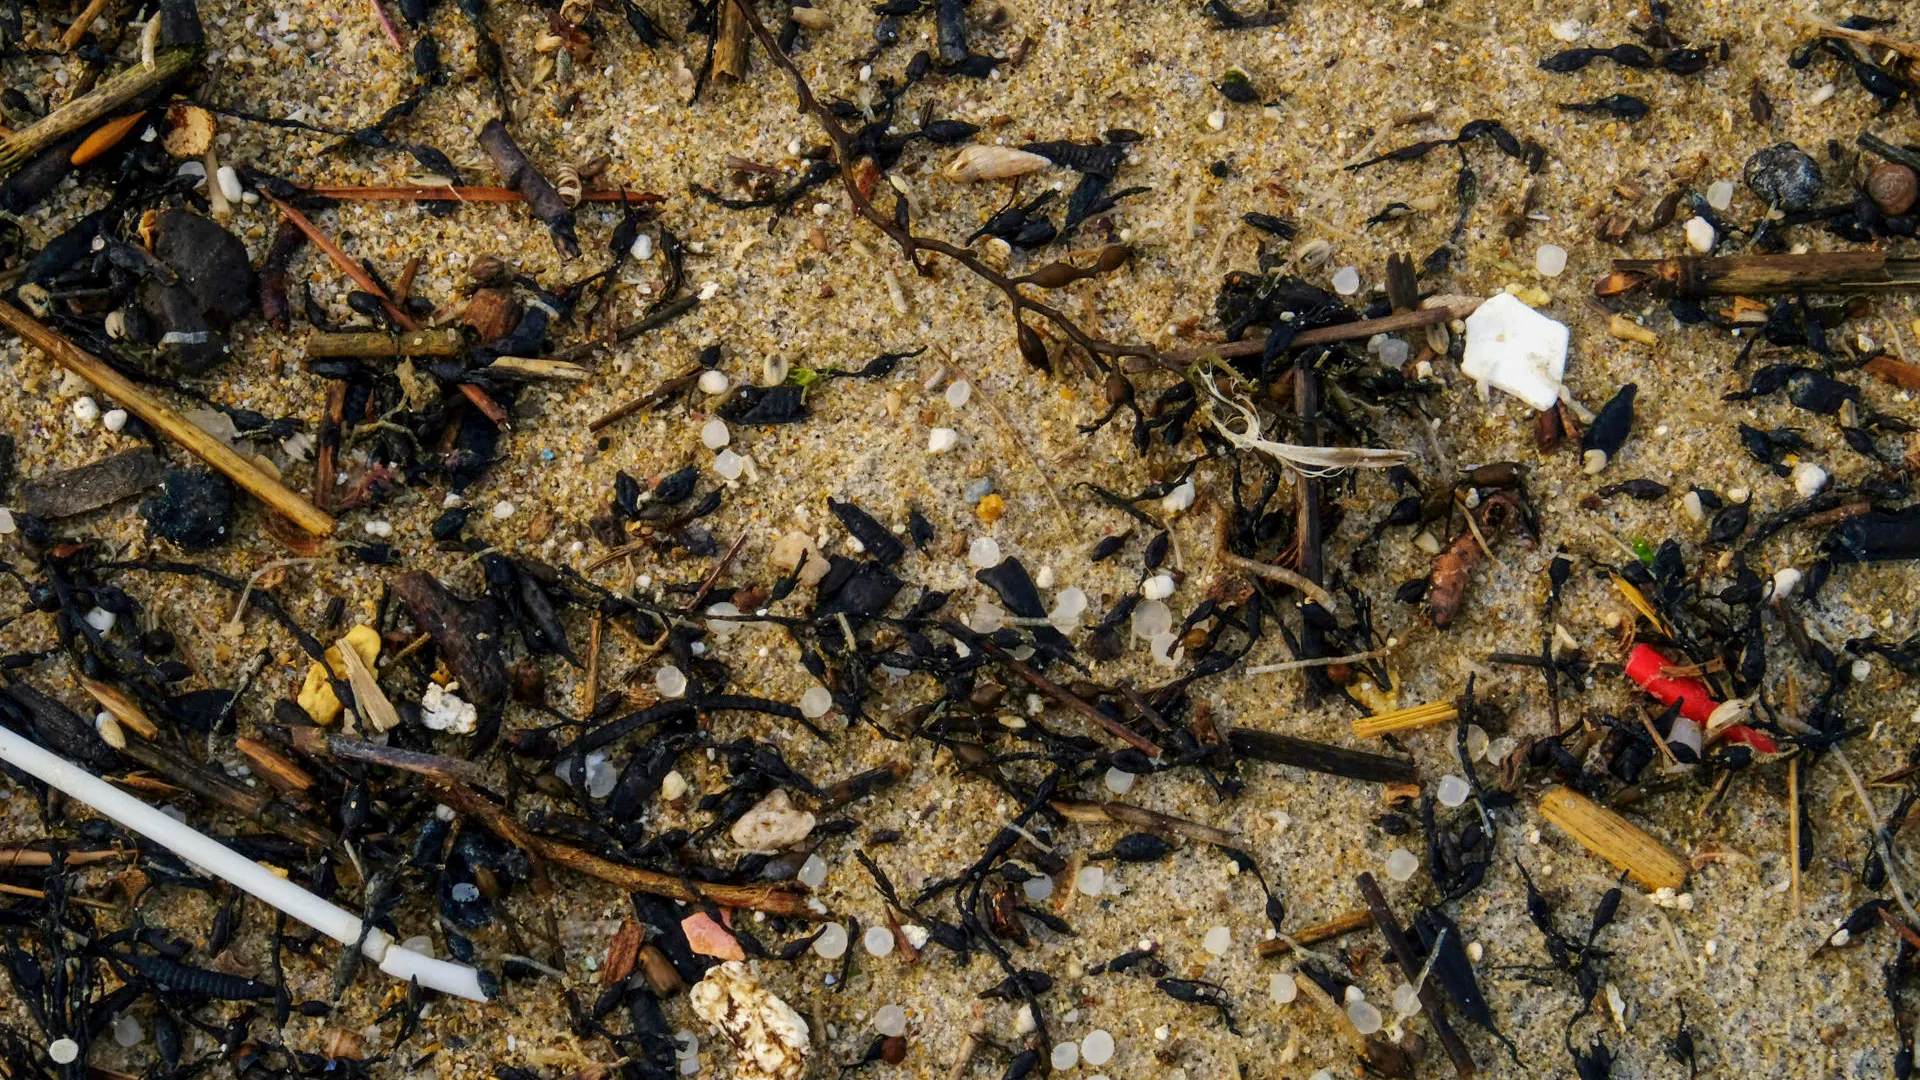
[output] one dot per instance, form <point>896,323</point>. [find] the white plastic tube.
<point>204,851</point>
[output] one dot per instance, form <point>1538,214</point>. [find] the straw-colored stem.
<point>1408,719</point>
<point>1614,839</point>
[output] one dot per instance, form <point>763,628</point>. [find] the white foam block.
<point>1514,348</point>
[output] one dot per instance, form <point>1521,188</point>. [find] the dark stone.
<point>192,508</point>
<point>1783,176</point>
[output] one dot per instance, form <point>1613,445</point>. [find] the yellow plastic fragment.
<point>316,695</point>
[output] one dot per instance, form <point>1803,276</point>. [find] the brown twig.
<point>156,413</point>
<point>12,858</point>
<point>473,194</point>
<point>1338,926</point>
<point>360,278</point>
<point>80,24</point>
<point>713,577</point>
<point>1403,954</point>
<point>1118,813</point>
<point>768,898</point>
<point>658,394</point>
<point>1057,692</point>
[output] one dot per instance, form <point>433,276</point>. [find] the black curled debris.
<point>191,508</point>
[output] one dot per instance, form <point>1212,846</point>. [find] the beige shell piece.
<point>769,1039</point>
<point>994,163</point>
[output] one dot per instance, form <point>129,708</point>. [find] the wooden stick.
<point>100,102</point>
<point>1059,693</point>
<point>273,765</point>
<point>1338,926</point>
<point>37,894</point>
<point>1271,746</point>
<point>1614,839</point>
<point>124,709</point>
<point>1696,276</point>
<point>346,264</point>
<point>1403,955</point>
<point>770,899</point>
<point>373,344</point>
<point>79,28</point>
<point>11,858</point>
<point>1327,335</point>
<point>429,193</point>
<point>658,394</point>
<point>730,43</point>
<point>594,631</point>
<point>1119,813</point>
<point>219,455</point>
<point>1866,37</point>
<point>319,743</point>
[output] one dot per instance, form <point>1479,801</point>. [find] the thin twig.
<point>1313,590</point>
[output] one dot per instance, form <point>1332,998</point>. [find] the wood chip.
<point>370,702</point>
<point>1614,839</point>
<point>92,486</point>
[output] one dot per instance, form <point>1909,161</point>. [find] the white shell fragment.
<point>769,1039</point>
<point>1515,349</point>
<point>773,824</point>
<point>443,710</point>
<point>994,163</point>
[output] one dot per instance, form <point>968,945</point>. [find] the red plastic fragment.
<point>1644,664</point>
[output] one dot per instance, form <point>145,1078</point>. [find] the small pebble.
<point>942,439</point>
<point>1453,791</point>
<point>1808,479</point>
<point>977,489</point>
<point>1023,1021</point>
<point>670,681</point>
<point>1282,989</point>
<point>1700,235</point>
<point>984,553</point>
<point>832,942</point>
<point>115,419</point>
<point>890,1020</point>
<point>1218,941</point>
<point>1217,119</point>
<point>642,248</point>
<point>63,1051</point>
<point>1550,260</point>
<point>959,393</point>
<point>229,182</point>
<point>100,619</point>
<point>502,510</point>
<point>878,941</point>
<point>1119,781</point>
<point>1366,1018</point>
<point>1346,281</point>
<point>673,785</point>
<point>713,381</point>
<point>813,872</point>
<point>1091,880</point>
<point>1097,1048</point>
<point>1401,864</point>
<point>86,410</point>
<point>714,434</point>
<point>1784,177</point>
<point>1180,498</point>
<point>1720,194</point>
<point>815,702</point>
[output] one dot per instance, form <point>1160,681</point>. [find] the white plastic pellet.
<point>1091,880</point>
<point>729,464</point>
<point>1346,281</point>
<point>642,248</point>
<point>1218,941</point>
<point>674,785</point>
<point>1685,733</point>
<point>1119,781</point>
<point>100,619</point>
<point>890,1020</point>
<point>670,681</point>
<point>601,777</point>
<point>813,872</point>
<point>1152,618</point>
<point>1550,260</point>
<point>1401,864</point>
<point>714,434</point>
<point>1720,194</point>
<point>1453,791</point>
<point>815,702</point>
<point>1366,1018</point>
<point>1065,1056</point>
<point>984,553</point>
<point>127,1031</point>
<point>1097,1048</point>
<point>502,510</point>
<point>714,381</point>
<point>942,439</point>
<point>1282,989</point>
<point>1037,888</point>
<point>229,182</point>
<point>986,618</point>
<point>1808,479</point>
<point>63,1051</point>
<point>1157,587</point>
<point>1406,1000</point>
<point>959,392</point>
<point>878,941</point>
<point>1700,235</point>
<point>114,419</point>
<point>1476,742</point>
<point>832,942</point>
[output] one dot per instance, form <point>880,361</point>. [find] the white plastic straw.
<point>209,854</point>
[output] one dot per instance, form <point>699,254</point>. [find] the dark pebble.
<point>1783,176</point>
<point>192,508</point>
